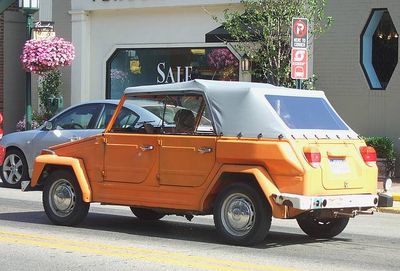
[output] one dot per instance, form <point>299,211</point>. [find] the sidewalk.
<point>395,191</point>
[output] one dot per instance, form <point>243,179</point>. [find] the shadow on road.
<point>177,230</point>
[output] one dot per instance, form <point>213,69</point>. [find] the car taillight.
<point>368,154</point>
<point>2,154</point>
<point>313,156</point>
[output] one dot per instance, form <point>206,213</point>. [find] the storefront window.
<point>134,67</point>
<point>379,47</point>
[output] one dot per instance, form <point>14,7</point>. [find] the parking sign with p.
<point>299,33</point>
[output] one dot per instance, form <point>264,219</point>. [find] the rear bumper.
<point>385,200</point>
<point>326,202</point>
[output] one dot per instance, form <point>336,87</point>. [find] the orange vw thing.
<point>243,152</point>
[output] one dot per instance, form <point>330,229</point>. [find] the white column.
<point>45,10</point>
<point>80,69</point>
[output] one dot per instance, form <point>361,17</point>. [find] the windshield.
<point>306,113</point>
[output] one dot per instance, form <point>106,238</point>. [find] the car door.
<point>187,151</point>
<point>185,160</point>
<point>129,156</point>
<point>73,124</point>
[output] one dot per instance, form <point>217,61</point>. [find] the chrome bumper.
<point>326,202</point>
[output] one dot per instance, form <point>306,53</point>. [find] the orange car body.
<point>182,174</point>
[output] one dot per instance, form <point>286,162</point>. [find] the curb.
<point>389,210</point>
<point>396,196</point>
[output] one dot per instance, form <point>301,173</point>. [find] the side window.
<point>172,114</point>
<point>105,116</point>
<point>81,117</point>
<point>126,121</point>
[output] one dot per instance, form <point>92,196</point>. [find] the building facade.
<point>12,83</point>
<point>128,42</point>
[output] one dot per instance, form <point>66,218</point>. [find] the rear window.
<point>306,113</point>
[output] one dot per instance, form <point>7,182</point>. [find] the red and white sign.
<point>299,63</point>
<point>299,33</point>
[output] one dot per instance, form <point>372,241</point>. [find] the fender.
<point>263,179</point>
<point>76,164</point>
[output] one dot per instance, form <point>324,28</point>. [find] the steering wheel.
<point>76,126</point>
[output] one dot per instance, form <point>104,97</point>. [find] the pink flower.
<point>39,56</point>
<point>222,57</point>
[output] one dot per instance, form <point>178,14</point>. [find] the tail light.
<point>2,154</point>
<point>369,155</point>
<point>313,156</point>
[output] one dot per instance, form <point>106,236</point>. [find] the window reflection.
<point>134,67</point>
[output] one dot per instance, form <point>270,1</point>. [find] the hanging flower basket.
<point>44,55</point>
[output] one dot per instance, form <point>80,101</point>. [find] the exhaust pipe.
<point>339,214</point>
<point>353,213</point>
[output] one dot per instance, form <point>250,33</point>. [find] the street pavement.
<point>111,238</point>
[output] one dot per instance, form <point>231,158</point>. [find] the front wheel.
<point>14,169</point>
<point>242,215</point>
<point>322,227</point>
<point>62,199</point>
<point>146,214</point>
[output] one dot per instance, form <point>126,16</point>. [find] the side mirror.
<point>48,125</point>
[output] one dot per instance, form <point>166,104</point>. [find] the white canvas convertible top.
<point>241,108</point>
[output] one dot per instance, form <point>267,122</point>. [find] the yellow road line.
<point>130,252</point>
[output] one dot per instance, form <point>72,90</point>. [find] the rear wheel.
<point>146,214</point>
<point>62,199</point>
<point>242,216</point>
<point>14,169</point>
<point>322,227</point>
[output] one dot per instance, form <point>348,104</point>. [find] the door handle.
<point>147,147</point>
<point>74,138</point>
<point>203,150</point>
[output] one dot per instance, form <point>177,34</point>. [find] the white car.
<point>74,123</point>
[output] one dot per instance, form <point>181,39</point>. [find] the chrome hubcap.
<point>62,198</point>
<point>238,214</point>
<point>12,169</point>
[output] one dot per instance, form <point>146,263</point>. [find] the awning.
<point>219,35</point>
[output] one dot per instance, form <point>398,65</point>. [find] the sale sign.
<point>299,63</point>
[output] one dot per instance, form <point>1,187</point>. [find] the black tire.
<point>322,228</point>
<point>146,214</point>
<point>69,210</point>
<point>246,201</point>
<point>14,169</point>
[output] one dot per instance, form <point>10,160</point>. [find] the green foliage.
<point>49,85</point>
<point>383,146</point>
<point>263,32</point>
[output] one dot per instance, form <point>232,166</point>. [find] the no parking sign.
<point>299,33</point>
<point>299,48</point>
